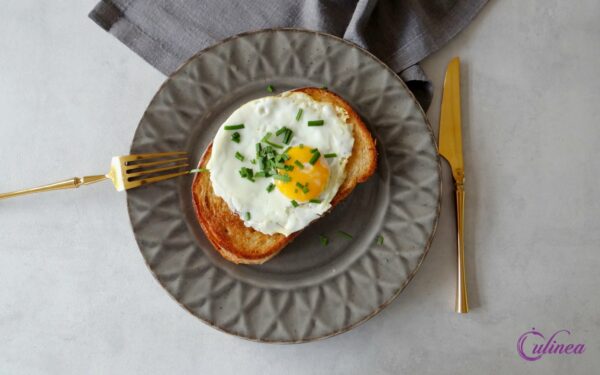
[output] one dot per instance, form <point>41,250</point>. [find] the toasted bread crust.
<point>240,244</point>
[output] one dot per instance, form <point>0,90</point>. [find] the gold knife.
<point>451,149</point>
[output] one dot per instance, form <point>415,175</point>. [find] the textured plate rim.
<point>438,205</point>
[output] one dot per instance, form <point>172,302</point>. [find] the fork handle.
<point>71,183</point>
<point>462,304</point>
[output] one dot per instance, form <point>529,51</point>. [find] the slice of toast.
<point>240,244</point>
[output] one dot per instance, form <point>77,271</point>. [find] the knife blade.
<point>450,147</point>
<point>450,137</point>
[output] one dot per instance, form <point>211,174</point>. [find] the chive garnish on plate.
<point>315,201</point>
<point>270,88</point>
<point>314,150</point>
<point>236,137</point>
<point>239,156</point>
<point>298,164</point>
<point>281,131</point>
<point>332,155</point>
<point>324,240</point>
<point>316,123</point>
<point>234,127</point>
<point>294,203</point>
<point>248,216</point>
<point>380,240</point>
<point>270,188</point>
<point>288,136</point>
<point>299,114</point>
<point>345,234</point>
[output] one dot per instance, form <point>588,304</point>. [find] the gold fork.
<point>126,172</point>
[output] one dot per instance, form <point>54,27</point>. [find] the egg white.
<point>272,212</point>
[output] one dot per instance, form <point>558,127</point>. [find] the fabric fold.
<point>401,33</point>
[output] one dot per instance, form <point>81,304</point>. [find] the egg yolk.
<point>307,180</point>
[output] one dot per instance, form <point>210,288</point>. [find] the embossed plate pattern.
<point>308,291</point>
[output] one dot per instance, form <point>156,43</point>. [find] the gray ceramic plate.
<point>308,291</point>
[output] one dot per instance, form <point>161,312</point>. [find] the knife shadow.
<point>471,190</point>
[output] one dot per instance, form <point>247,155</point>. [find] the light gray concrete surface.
<point>76,297</point>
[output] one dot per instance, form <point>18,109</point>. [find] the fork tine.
<point>145,181</point>
<point>131,167</point>
<point>134,157</point>
<point>155,170</point>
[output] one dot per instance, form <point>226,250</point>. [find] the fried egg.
<point>278,161</point>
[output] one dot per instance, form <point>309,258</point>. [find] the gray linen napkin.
<point>400,32</point>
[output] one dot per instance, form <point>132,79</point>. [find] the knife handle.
<point>462,304</point>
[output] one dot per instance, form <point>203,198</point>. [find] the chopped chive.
<point>380,240</point>
<point>332,155</point>
<point>287,137</point>
<point>234,127</point>
<point>298,164</point>
<point>314,150</point>
<point>304,188</point>
<point>324,240</point>
<point>253,161</point>
<point>262,163</point>
<point>281,131</point>
<point>198,170</point>
<point>301,145</point>
<point>247,173</point>
<point>266,140</point>
<point>270,188</point>
<point>258,148</point>
<point>266,137</point>
<point>270,88</point>
<point>239,156</point>
<point>288,167</point>
<point>286,151</point>
<point>316,123</point>
<point>285,157</point>
<point>248,216</point>
<point>299,114</point>
<point>279,165</point>
<point>314,158</point>
<point>294,203</point>
<point>274,144</point>
<point>281,177</point>
<point>260,174</point>
<point>236,137</point>
<point>345,234</point>
<point>315,201</point>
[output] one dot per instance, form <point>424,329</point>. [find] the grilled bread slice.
<point>240,244</point>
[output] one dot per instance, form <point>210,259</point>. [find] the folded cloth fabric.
<point>400,32</point>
